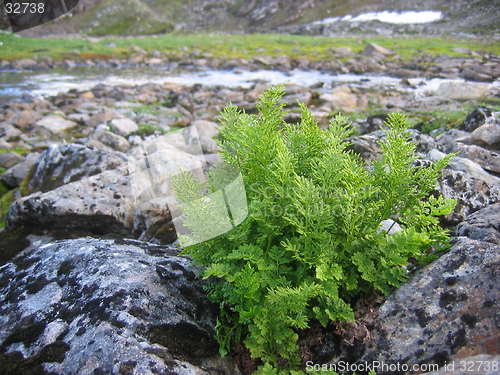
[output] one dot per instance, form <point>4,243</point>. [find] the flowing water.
<point>45,83</point>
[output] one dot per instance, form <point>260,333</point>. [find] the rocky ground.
<point>90,282</point>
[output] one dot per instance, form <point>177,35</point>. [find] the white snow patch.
<point>408,17</point>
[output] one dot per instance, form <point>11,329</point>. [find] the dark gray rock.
<point>153,221</point>
<point>61,164</point>
<point>447,140</point>
<point>368,147</point>
<point>373,123</point>
<point>447,310</point>
<point>471,191</point>
<point>92,306</point>
<point>477,118</point>
<point>482,225</point>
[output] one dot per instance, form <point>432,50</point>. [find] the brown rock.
<point>375,50</point>
<point>56,124</point>
<point>24,120</point>
<point>115,141</point>
<point>487,136</point>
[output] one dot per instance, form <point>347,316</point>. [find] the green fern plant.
<point>311,241</point>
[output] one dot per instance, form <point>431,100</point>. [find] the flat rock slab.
<point>91,306</point>
<point>56,124</point>
<point>462,90</point>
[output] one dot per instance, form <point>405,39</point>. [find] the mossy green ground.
<point>314,48</point>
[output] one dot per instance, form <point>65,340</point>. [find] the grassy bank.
<point>227,46</point>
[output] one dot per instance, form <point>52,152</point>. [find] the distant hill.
<point>141,17</point>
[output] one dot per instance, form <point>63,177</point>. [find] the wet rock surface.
<point>102,306</point>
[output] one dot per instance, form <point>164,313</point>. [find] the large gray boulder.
<point>91,306</point>
<point>448,310</point>
<point>101,204</point>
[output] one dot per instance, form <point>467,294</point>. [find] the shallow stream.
<point>46,83</point>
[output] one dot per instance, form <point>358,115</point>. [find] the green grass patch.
<point>148,129</point>
<point>147,109</point>
<point>5,201</point>
<point>19,150</point>
<point>314,48</point>
<point>450,119</point>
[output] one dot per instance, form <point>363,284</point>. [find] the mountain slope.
<point>139,17</point>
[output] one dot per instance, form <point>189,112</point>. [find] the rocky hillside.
<point>139,17</point>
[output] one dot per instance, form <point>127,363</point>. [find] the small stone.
<point>123,126</point>
<point>373,49</point>
<point>9,132</point>
<point>56,124</point>
<point>24,64</point>
<point>115,141</point>
<point>477,118</point>
<point>343,52</point>
<point>87,95</point>
<point>13,176</point>
<point>9,159</point>
<point>25,119</point>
